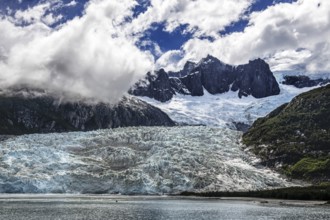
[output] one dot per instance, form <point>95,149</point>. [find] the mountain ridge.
<point>254,78</point>
<point>45,114</point>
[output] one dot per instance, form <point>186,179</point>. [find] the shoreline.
<point>111,198</point>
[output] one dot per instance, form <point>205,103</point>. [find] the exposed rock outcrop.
<point>304,81</point>
<point>188,68</point>
<point>193,82</point>
<point>157,86</point>
<point>178,86</point>
<point>216,77</point>
<point>256,79</point>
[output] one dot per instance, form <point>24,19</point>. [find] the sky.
<point>86,47</point>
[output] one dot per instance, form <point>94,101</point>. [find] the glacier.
<point>224,110</point>
<point>134,160</point>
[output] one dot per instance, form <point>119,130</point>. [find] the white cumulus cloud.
<point>288,35</point>
<point>89,56</point>
<point>203,17</point>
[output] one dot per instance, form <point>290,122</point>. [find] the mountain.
<point>216,77</point>
<point>224,110</point>
<point>256,79</point>
<point>302,81</point>
<point>188,67</point>
<point>25,114</point>
<point>156,85</point>
<point>295,137</point>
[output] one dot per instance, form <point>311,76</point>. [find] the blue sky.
<point>174,40</point>
<point>89,46</point>
<point>156,33</point>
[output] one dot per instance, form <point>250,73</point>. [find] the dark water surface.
<point>118,208</point>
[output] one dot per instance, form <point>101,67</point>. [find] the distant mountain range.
<point>302,81</point>
<point>216,77</point>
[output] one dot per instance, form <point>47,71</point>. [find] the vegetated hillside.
<point>296,136</point>
<point>44,114</point>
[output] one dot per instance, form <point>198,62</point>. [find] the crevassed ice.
<point>142,160</point>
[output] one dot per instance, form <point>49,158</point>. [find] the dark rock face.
<point>216,76</point>
<point>296,135</point>
<point>304,81</point>
<point>178,86</point>
<point>193,82</point>
<point>20,115</point>
<point>254,78</point>
<point>157,86</point>
<point>188,68</point>
<point>240,126</point>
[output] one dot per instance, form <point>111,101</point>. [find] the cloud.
<point>31,15</point>
<point>171,60</point>
<point>72,3</point>
<point>89,56</point>
<point>203,17</point>
<point>51,19</point>
<point>95,55</point>
<point>275,34</point>
<point>42,12</point>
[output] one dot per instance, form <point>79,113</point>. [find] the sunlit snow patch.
<point>224,109</point>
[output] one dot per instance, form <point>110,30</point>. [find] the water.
<point>117,208</point>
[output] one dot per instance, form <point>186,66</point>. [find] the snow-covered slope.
<point>144,160</point>
<point>224,109</point>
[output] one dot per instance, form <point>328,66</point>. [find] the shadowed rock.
<point>44,114</point>
<point>256,79</point>
<point>216,77</point>
<point>157,86</point>
<point>304,81</point>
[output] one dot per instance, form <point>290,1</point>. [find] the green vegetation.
<point>319,192</point>
<point>296,135</point>
<point>310,167</point>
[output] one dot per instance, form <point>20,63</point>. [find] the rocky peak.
<point>259,63</point>
<point>301,81</point>
<point>188,68</point>
<point>161,73</point>
<point>156,85</point>
<point>254,78</point>
<point>216,76</point>
<point>210,60</point>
